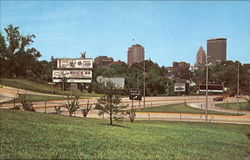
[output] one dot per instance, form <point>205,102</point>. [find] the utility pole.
<point>136,80</point>
<point>144,85</point>
<point>238,87</point>
<point>206,88</point>
<point>144,82</point>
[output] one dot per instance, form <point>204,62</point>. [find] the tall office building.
<point>200,58</point>
<point>135,54</point>
<point>216,50</point>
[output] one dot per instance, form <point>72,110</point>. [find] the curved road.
<point>8,93</point>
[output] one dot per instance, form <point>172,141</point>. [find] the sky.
<point>168,30</point>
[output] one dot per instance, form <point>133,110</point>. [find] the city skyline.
<point>168,30</point>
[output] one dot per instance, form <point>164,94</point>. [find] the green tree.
<point>26,103</point>
<point>3,58</point>
<point>72,105</point>
<point>226,72</point>
<point>17,58</point>
<point>155,77</point>
<point>111,103</point>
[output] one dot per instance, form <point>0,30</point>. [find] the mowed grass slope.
<point>181,108</point>
<point>35,98</point>
<point>40,87</point>
<point>244,106</point>
<point>28,135</point>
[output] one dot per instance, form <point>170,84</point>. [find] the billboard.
<point>71,74</point>
<point>211,88</point>
<point>73,80</point>
<point>75,63</point>
<point>179,87</point>
<point>119,82</point>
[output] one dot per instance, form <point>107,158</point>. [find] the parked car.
<point>218,99</point>
<point>231,95</point>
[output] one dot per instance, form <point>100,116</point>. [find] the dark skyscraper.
<point>216,50</point>
<point>135,54</point>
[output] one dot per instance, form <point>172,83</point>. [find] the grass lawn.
<point>40,87</point>
<point>181,108</point>
<point>244,106</point>
<point>35,98</point>
<point>28,135</point>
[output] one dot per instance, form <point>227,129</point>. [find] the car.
<point>218,99</point>
<point>231,95</point>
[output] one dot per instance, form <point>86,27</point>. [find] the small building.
<point>103,62</point>
<point>180,66</point>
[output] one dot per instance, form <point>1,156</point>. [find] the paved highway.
<point>194,101</point>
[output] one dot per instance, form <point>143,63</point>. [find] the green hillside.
<point>40,87</point>
<point>243,106</point>
<point>181,108</point>
<point>28,135</point>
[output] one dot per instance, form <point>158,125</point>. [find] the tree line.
<point>20,60</point>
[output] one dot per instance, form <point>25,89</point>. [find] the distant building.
<point>169,73</point>
<point>117,62</point>
<point>200,58</point>
<point>178,66</point>
<point>103,61</point>
<point>135,54</point>
<point>216,50</point>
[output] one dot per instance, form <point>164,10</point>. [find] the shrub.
<point>17,107</point>
<point>131,115</point>
<point>58,109</point>
<point>26,103</point>
<point>72,105</point>
<point>86,110</point>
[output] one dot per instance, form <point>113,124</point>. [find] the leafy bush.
<point>86,110</point>
<point>119,117</point>
<point>58,109</point>
<point>131,115</point>
<point>26,103</point>
<point>72,105</point>
<point>248,100</point>
<point>17,107</point>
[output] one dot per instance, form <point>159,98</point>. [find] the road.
<point>193,101</point>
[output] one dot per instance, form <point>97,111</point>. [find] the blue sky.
<point>168,30</point>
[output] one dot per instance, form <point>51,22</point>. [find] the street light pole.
<point>238,87</point>
<point>144,82</point>
<point>206,88</point>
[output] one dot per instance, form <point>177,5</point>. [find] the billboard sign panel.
<point>119,82</point>
<point>211,88</point>
<point>72,74</point>
<point>179,87</point>
<point>73,80</point>
<point>75,63</point>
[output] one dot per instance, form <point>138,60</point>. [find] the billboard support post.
<point>139,104</point>
<point>132,104</point>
